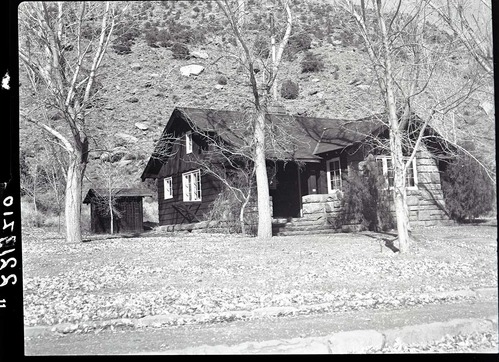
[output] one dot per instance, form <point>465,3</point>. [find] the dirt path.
<point>153,340</point>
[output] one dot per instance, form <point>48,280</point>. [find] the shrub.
<point>366,202</point>
<point>121,49</point>
<point>221,79</point>
<point>89,32</point>
<point>151,37</point>
<point>164,38</point>
<point>298,43</point>
<point>289,89</point>
<point>126,33</point>
<point>468,191</point>
<point>301,42</point>
<point>225,213</point>
<point>180,51</point>
<point>311,63</point>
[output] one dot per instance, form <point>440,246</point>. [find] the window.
<point>333,175</point>
<point>188,142</point>
<point>386,164</point>
<point>191,183</point>
<point>168,188</point>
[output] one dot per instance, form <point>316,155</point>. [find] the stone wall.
<point>426,203</point>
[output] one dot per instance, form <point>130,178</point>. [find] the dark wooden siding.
<point>130,219</point>
<point>180,161</point>
<point>174,211</point>
<point>131,214</point>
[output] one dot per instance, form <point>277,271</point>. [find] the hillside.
<point>140,81</point>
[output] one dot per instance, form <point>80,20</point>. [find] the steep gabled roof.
<point>116,192</point>
<point>307,137</point>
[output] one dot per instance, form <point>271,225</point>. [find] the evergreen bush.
<point>468,191</point>
<point>289,89</point>
<point>151,37</point>
<point>180,51</point>
<point>121,49</point>
<point>221,79</point>
<point>298,43</point>
<point>366,200</point>
<point>311,63</point>
<point>301,42</point>
<point>164,38</point>
<point>126,33</point>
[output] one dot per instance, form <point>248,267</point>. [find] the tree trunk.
<point>73,199</point>
<point>243,210</point>
<point>262,182</point>
<point>35,222</point>
<point>111,216</point>
<point>241,218</point>
<point>395,141</point>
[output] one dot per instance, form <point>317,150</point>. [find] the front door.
<point>285,191</point>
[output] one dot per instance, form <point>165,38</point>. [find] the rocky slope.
<point>141,85</point>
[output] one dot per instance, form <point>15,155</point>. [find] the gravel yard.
<point>193,274</point>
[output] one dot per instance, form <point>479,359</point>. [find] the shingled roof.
<point>310,136</point>
<point>117,193</point>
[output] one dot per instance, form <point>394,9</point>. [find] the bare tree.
<point>62,61</point>
<point>409,70</point>
<point>262,94</point>
<point>473,28</point>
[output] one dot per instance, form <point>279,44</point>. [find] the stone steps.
<point>302,226</point>
<point>305,232</point>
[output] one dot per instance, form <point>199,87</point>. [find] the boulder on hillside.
<point>487,107</point>
<point>133,100</point>
<point>104,156</point>
<point>193,69</point>
<point>199,54</point>
<point>142,126</point>
<point>136,66</point>
<point>126,137</point>
<point>118,155</point>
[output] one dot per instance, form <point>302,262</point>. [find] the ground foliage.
<point>461,343</point>
<point>204,276</point>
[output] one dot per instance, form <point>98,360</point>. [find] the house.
<point>128,216</point>
<point>311,158</point>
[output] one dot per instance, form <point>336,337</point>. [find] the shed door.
<point>131,217</point>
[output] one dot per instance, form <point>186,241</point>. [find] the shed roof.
<point>117,193</point>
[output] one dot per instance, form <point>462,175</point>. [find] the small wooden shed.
<point>128,203</point>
